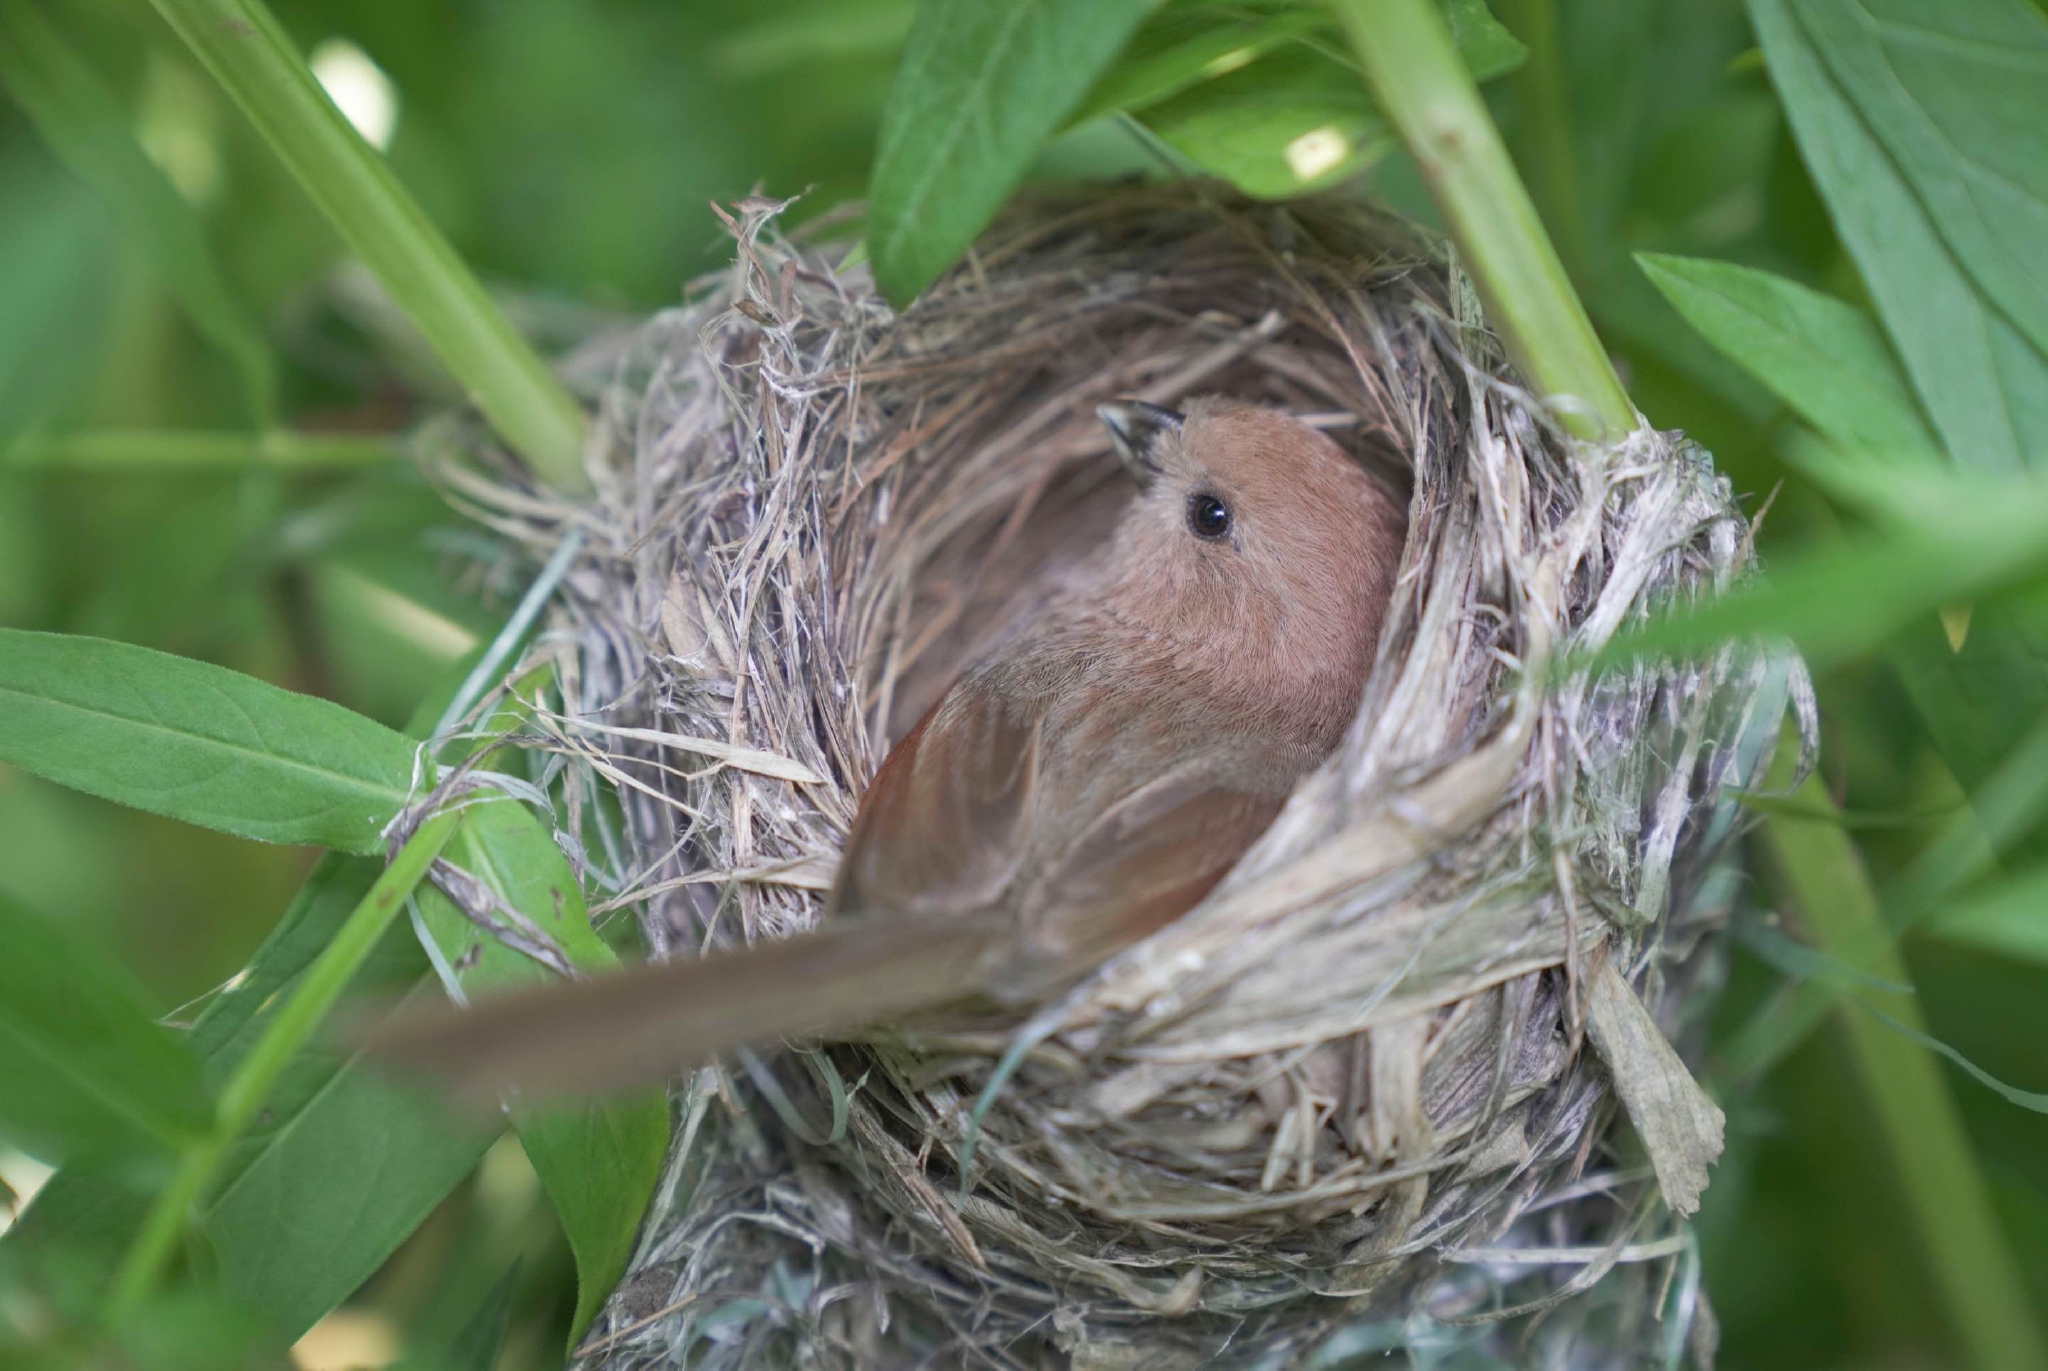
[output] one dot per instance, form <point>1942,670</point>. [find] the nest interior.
<point>1384,1055</point>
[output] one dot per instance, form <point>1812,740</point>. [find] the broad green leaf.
<point>344,1165</point>
<point>1821,356</point>
<point>89,128</point>
<point>1978,378</point>
<point>198,742</point>
<point>322,1196</point>
<point>1294,121</point>
<point>983,83</point>
<point>1182,47</point>
<point>83,1068</point>
<point>1985,388</point>
<point>408,1160</point>
<point>1957,93</point>
<point>341,1169</point>
<point>1300,118</point>
<point>598,1160</point>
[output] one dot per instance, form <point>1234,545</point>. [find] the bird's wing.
<point>933,853</point>
<point>945,825</point>
<point>1148,860</point>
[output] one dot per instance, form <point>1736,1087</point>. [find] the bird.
<point>1080,787</point>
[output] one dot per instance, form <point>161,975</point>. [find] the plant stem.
<point>251,1083</point>
<point>249,53</point>
<point>125,448</point>
<point>1426,93</point>
<point>1823,882</point>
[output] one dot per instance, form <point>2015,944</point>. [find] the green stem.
<point>248,52</point>
<point>1426,93</point>
<point>1824,884</point>
<point>258,1072</point>
<point>130,448</point>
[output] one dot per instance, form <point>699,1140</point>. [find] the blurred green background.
<point>571,150</point>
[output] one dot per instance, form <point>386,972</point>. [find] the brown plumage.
<point>1085,784</point>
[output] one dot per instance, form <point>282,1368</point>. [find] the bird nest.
<point>1366,1087</point>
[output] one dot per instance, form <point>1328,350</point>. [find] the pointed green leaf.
<point>1984,386</point>
<point>1822,356</point>
<point>982,84</point>
<point>1483,41</point>
<point>598,1160</point>
<point>198,742</point>
<point>1301,118</point>
<point>342,1166</point>
<point>1978,702</point>
<point>83,1068</point>
<point>1183,47</point>
<point>1958,95</point>
<point>1292,122</point>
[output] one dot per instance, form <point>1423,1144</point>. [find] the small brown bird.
<point>1084,785</point>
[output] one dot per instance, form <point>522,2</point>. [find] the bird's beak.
<point>1135,426</point>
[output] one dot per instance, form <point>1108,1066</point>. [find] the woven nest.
<point>1365,1089</point>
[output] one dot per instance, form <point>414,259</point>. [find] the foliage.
<point>1808,230</point>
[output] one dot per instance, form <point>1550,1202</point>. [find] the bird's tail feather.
<point>646,1024</point>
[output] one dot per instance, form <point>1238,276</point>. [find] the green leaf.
<point>1958,95</point>
<point>476,1347</point>
<point>1292,122</point>
<point>1488,48</point>
<point>89,128</point>
<point>83,1069</point>
<point>1978,702</point>
<point>1821,356</point>
<point>983,83</point>
<point>198,742</point>
<point>1839,603</point>
<point>1301,118</point>
<point>343,1165</point>
<point>1985,388</point>
<point>599,1160</point>
<point>1183,47</point>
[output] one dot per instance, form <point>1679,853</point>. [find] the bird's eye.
<point>1208,516</point>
